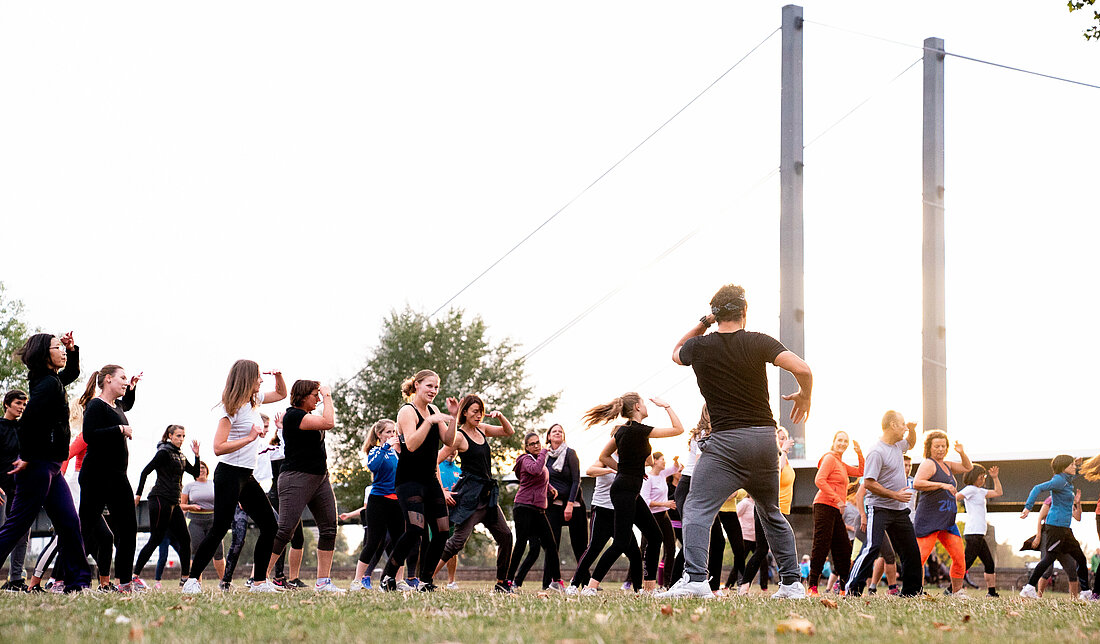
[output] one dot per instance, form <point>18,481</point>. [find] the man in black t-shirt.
<point>740,451</point>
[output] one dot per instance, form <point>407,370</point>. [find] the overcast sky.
<point>184,185</point>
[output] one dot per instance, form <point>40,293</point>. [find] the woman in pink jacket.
<point>529,514</point>
<point>830,533</point>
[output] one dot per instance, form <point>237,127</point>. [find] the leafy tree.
<point>13,333</point>
<point>1093,31</point>
<point>460,351</point>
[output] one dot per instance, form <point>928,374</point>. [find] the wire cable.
<point>604,174</point>
<point>948,53</point>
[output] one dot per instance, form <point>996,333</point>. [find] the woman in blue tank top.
<point>934,519</point>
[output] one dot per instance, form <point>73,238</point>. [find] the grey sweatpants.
<point>734,459</point>
<point>297,490</point>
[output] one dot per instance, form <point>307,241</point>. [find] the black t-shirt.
<point>304,448</point>
<point>632,442</point>
<point>730,370</point>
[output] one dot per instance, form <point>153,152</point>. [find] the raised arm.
<point>855,471</point>
<point>327,419</point>
<point>964,465</point>
<point>996,491</point>
<point>504,429</point>
<point>788,360</point>
<point>71,372</point>
<point>699,329</point>
<point>280,388</point>
<point>666,432</point>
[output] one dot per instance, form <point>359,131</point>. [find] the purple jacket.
<point>533,479</point>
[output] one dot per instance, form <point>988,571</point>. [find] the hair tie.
<point>728,306</point>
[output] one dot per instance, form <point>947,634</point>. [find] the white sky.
<point>187,184</point>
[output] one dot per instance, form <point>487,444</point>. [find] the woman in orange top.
<point>830,534</point>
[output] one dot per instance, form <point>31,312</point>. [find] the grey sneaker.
<point>687,588</point>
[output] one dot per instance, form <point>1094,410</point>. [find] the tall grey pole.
<point>792,331</point>
<point>934,327</point>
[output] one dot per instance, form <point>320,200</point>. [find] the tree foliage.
<point>1094,30</point>
<point>460,351</point>
<point>13,333</point>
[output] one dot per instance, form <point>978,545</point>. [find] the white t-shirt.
<point>240,425</point>
<point>601,494</point>
<point>692,457</point>
<point>974,500</point>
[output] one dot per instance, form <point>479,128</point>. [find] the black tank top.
<point>419,464</point>
<point>475,459</point>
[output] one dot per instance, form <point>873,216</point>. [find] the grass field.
<point>475,616</point>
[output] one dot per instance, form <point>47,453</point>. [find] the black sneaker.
<point>224,586</point>
<point>504,588</point>
<point>249,582</point>
<point>279,582</point>
<point>37,588</point>
<point>388,585</point>
<point>73,590</point>
<point>871,590</point>
<point>993,592</point>
<point>294,583</point>
<point>17,586</point>
<point>426,587</point>
<point>108,588</point>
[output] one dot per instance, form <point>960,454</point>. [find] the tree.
<point>466,361</point>
<point>1093,31</point>
<point>13,333</point>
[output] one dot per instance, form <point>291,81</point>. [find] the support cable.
<point>604,174</point>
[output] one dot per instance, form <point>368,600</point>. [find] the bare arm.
<point>222,444</point>
<point>911,437</point>
<point>696,331</point>
<point>280,389</point>
<point>598,469</point>
<point>416,434</point>
<point>446,451</point>
<point>964,465</point>
<point>665,432</point>
<point>997,491</point>
<point>327,419</point>
<point>186,505</point>
<point>605,455</point>
<point>505,428</point>
<point>788,360</point>
<point>874,487</point>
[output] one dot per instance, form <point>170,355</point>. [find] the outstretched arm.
<point>788,360</point>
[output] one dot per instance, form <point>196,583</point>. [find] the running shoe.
<point>127,588</point>
<point>503,588</point>
<point>328,587</point>
<point>296,583</point>
<point>388,585</point>
<point>366,582</point>
<point>812,591</point>
<point>687,588</point>
<point>16,586</point>
<point>992,592</point>
<point>1028,591</point>
<point>405,587</point>
<point>265,586</point>
<point>588,591</point>
<point>355,586</point>
<point>556,586</point>
<point>872,589</point>
<point>1086,595</point>
<point>248,582</point>
<point>57,587</point>
<point>721,592</point>
<point>426,587</point>
<point>107,588</point>
<point>37,588</point>
<point>156,585</point>
<point>571,590</point>
<point>225,586</point>
<point>628,586</point>
<point>138,584</point>
<point>192,586</point>
<point>452,585</point>
<point>279,581</point>
<point>894,591</point>
<point>794,590</point>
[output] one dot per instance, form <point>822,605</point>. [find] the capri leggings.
<point>421,502</point>
<point>956,549</point>
<point>977,548</point>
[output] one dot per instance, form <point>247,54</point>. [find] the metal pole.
<point>791,307</point>
<point>934,327</point>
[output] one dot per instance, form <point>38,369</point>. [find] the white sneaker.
<point>721,592</point>
<point>264,587</point>
<point>1029,591</point>
<point>588,592</point>
<point>356,585</point>
<point>687,588</point>
<point>1085,595</point>
<point>404,586</point>
<point>452,586</point>
<point>571,590</point>
<point>192,586</point>
<point>790,591</point>
<point>329,587</point>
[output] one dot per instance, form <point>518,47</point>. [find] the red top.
<point>77,450</point>
<point>832,479</point>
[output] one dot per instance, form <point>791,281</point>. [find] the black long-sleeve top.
<point>9,451</point>
<point>169,464</point>
<point>568,481</point>
<point>44,427</point>
<point>107,449</point>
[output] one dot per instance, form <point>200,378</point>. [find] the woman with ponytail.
<point>235,442</point>
<point>631,441</point>
<point>165,515</point>
<point>420,429</point>
<point>103,480</point>
<point>44,434</point>
<point>382,518</point>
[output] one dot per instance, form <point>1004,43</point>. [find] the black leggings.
<point>758,562</point>
<point>578,527</point>
<point>233,485</point>
<point>1061,541</point>
<point>602,529</point>
<point>830,536</point>
<point>668,542</point>
<point>383,524</point>
<point>977,548</point>
<point>532,526</point>
<point>420,503</point>
<point>111,491</point>
<point>631,510</point>
<point>166,518</point>
<point>729,523</point>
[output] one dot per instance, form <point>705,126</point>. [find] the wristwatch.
<point>704,322</point>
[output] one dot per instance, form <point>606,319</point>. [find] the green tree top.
<point>467,363</point>
<point>1093,31</point>
<point>13,333</point>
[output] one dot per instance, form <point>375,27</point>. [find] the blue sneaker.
<point>366,582</point>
